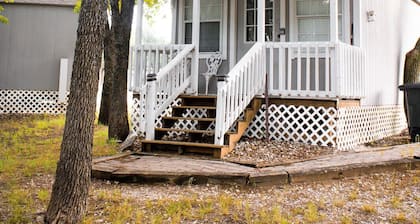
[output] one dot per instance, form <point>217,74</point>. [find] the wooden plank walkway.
<point>184,170</point>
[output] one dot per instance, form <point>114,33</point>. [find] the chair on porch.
<point>213,64</point>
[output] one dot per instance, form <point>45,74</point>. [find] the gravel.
<point>262,153</point>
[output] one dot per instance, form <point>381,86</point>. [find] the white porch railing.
<point>165,86</point>
<point>148,59</point>
<point>350,71</point>
<point>238,88</point>
<point>315,70</point>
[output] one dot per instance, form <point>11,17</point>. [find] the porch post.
<point>261,21</point>
<point>139,25</point>
<point>196,42</point>
<point>335,63</point>
<point>357,22</point>
<point>334,21</point>
<point>232,33</point>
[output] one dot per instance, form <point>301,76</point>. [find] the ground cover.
<point>29,150</point>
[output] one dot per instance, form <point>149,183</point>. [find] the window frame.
<point>223,29</point>
<point>293,22</point>
<point>273,24</point>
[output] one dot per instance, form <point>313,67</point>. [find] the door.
<point>275,20</point>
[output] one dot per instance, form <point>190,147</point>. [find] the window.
<point>251,19</point>
<point>211,25</point>
<point>313,20</point>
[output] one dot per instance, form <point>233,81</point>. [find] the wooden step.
<point>199,100</point>
<point>187,131</point>
<point>202,123</point>
<point>183,147</point>
<point>204,119</point>
<point>178,111</point>
<point>194,107</point>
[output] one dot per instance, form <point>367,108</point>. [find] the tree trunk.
<point>121,27</point>
<point>70,189</point>
<point>109,61</point>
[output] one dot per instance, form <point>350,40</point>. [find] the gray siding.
<point>32,44</point>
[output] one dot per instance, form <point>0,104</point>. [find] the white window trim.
<point>344,20</point>
<point>223,30</point>
<point>256,25</point>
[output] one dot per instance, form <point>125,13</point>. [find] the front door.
<point>275,23</point>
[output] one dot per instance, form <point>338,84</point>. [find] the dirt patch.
<point>400,139</point>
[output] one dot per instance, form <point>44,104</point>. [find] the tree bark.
<point>109,61</point>
<point>70,189</point>
<point>121,27</point>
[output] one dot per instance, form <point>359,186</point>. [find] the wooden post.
<point>196,43</point>
<point>357,23</point>
<point>261,21</point>
<point>150,113</point>
<point>62,85</point>
<point>333,21</point>
<point>220,112</point>
<point>232,34</point>
<point>139,25</point>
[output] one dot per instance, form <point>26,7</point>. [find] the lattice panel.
<point>137,114</point>
<point>30,102</point>
<point>359,125</point>
<point>309,125</point>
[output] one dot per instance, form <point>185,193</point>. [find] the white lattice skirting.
<point>30,102</point>
<point>343,128</point>
<point>360,125</point>
<point>290,123</point>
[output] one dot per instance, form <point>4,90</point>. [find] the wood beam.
<point>333,21</point>
<point>233,33</point>
<point>196,43</point>
<point>139,25</point>
<point>261,21</point>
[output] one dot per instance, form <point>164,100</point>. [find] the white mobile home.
<point>332,68</point>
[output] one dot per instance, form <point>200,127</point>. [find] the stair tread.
<point>198,96</point>
<point>185,130</point>
<point>178,143</point>
<point>195,107</point>
<point>189,118</point>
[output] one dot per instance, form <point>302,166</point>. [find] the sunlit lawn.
<point>30,148</point>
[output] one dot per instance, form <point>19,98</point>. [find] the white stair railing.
<point>146,59</point>
<point>236,90</point>
<point>165,86</point>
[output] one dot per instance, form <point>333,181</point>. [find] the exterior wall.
<point>386,41</point>
<point>32,44</point>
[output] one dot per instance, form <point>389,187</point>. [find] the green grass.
<point>30,148</point>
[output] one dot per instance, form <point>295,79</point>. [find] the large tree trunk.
<point>109,61</point>
<point>70,189</point>
<point>121,26</point>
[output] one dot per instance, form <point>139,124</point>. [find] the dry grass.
<point>29,149</point>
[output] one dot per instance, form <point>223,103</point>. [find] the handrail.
<point>150,58</point>
<point>236,90</point>
<point>168,84</point>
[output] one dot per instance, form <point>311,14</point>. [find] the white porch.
<point>313,70</point>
